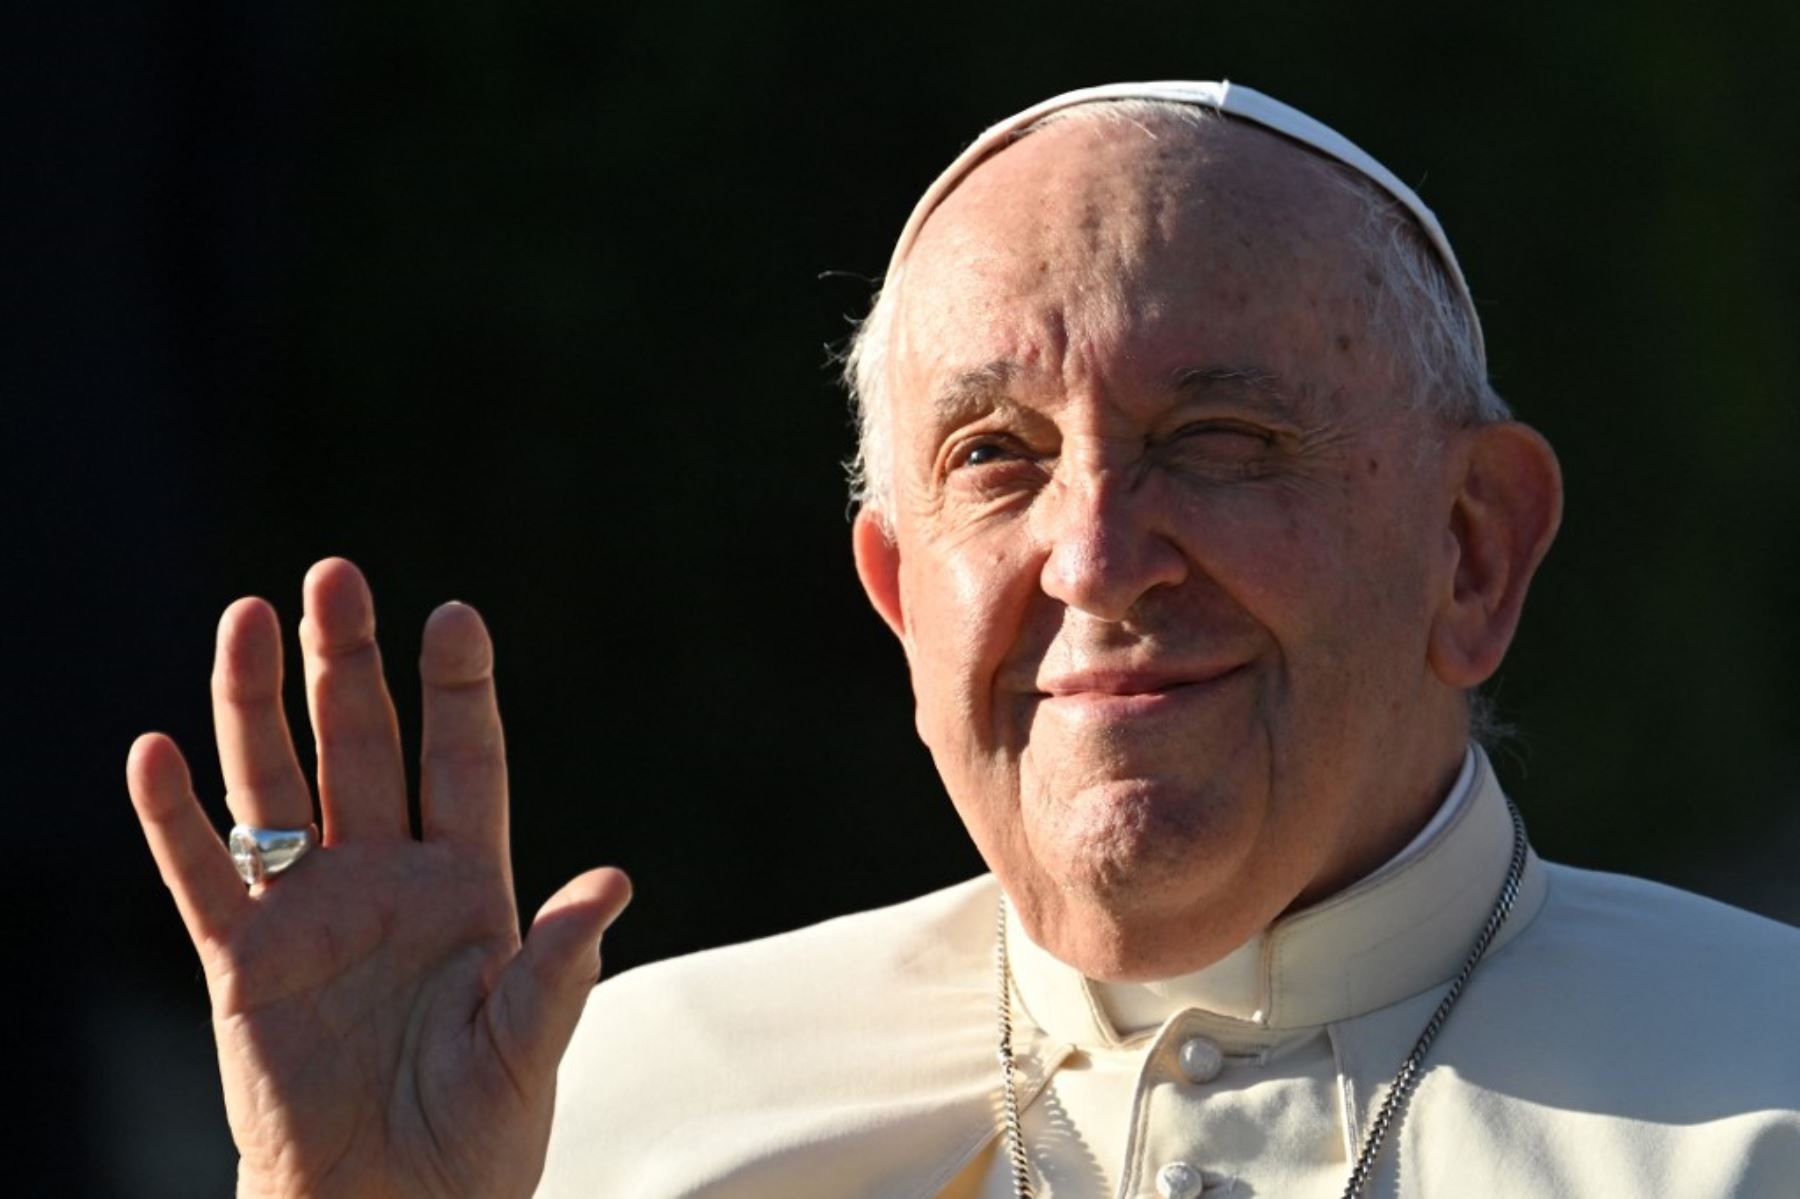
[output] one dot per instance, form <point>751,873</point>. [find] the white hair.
<point>1416,309</point>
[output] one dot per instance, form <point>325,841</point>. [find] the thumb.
<point>541,993</point>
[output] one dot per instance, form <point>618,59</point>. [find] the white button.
<point>1200,1059</point>
<point>1178,1180</point>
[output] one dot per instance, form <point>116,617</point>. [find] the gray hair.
<point>1416,308</point>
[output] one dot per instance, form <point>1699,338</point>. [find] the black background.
<point>529,305</point>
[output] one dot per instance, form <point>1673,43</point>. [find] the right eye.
<point>982,453</point>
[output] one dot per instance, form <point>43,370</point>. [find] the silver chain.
<point>1009,1104</point>
<point>1399,1091</point>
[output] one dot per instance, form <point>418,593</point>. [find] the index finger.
<point>462,774</point>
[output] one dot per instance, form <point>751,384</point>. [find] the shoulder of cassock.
<point>1632,1040</point>
<point>1629,1039</point>
<point>858,1054</point>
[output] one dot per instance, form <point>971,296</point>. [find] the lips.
<point>1122,684</point>
<point>1112,695</point>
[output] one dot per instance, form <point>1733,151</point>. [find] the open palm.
<point>381,1028</point>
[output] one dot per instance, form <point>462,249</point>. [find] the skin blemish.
<point>1344,343</point>
<point>1374,467</point>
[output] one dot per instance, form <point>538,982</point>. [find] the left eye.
<point>1237,438</point>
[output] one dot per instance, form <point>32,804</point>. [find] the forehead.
<point>1121,240</point>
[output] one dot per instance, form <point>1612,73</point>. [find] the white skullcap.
<point>1229,98</point>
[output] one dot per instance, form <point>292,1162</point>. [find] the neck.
<point>1368,843</point>
<point>1305,846</point>
<point>1404,927</point>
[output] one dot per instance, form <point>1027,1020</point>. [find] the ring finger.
<point>263,783</point>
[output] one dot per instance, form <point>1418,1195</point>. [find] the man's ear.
<point>1506,513</point>
<point>878,566</point>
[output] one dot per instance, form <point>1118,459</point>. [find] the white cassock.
<point>1620,1039</point>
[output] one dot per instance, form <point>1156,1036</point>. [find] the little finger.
<point>194,863</point>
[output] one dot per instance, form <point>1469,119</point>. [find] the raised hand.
<point>381,1028</point>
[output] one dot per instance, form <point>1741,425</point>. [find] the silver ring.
<point>262,853</point>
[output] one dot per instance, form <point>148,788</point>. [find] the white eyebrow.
<point>972,392</point>
<point>1262,387</point>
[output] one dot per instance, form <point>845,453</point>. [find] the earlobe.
<point>878,566</point>
<point>1504,517</point>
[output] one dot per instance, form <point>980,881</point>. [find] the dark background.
<point>529,305</point>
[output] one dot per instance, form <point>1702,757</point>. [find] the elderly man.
<point>1186,497</point>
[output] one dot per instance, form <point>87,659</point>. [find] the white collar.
<point>1400,930</point>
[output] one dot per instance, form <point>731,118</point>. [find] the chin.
<point>1130,841</point>
<point>1136,879</point>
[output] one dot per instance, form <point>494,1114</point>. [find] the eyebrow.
<point>972,393</point>
<point>1254,385</point>
<point>987,388</point>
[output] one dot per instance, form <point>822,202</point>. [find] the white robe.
<point>1620,1039</point>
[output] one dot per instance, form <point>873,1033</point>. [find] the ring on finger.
<point>262,853</point>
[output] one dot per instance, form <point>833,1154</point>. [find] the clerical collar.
<point>1398,931</point>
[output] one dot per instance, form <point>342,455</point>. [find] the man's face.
<point>1167,542</point>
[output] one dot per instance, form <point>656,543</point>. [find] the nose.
<point>1107,546</point>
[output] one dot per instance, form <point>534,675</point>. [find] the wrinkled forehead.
<point>1143,192</point>
<point>1107,246</point>
<point>1230,100</point>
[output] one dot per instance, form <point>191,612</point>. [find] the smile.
<point>1111,696</point>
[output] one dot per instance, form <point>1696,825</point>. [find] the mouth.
<point>1114,695</point>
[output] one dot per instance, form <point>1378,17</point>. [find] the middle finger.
<point>362,781</point>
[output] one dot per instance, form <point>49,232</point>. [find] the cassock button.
<point>1178,1180</point>
<point>1200,1059</point>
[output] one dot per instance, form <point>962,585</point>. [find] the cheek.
<point>967,609</point>
<point>1328,571</point>
<point>1278,550</point>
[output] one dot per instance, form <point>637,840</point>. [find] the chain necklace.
<point>1399,1091</point>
